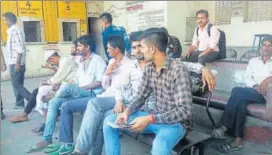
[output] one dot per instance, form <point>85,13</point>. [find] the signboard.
<point>74,9</point>
<point>94,8</point>
<point>237,8</point>
<point>30,8</point>
<point>146,14</point>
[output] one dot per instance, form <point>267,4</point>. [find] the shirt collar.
<point>260,58</point>
<point>166,64</point>
<point>206,26</point>
<point>11,28</point>
<point>88,59</point>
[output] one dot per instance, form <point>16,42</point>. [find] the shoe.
<point>52,148</point>
<point>3,116</point>
<point>18,107</point>
<point>64,149</point>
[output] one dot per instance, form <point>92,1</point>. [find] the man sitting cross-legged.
<point>86,84</point>
<point>117,68</point>
<point>67,70</point>
<point>90,137</point>
<point>168,80</point>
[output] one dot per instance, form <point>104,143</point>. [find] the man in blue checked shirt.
<point>111,30</point>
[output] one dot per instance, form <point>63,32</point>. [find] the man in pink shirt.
<point>204,47</point>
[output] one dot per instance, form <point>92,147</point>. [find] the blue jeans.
<point>167,135</point>
<point>66,92</point>
<point>90,136</point>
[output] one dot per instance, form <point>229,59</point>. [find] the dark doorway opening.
<point>92,24</point>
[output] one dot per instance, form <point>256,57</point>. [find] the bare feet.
<point>38,146</point>
<point>17,119</point>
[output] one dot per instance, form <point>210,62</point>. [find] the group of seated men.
<point>149,92</point>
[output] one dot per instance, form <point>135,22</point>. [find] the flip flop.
<point>35,149</point>
<point>217,133</point>
<point>52,148</point>
<point>39,128</point>
<point>229,147</point>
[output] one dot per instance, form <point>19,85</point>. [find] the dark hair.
<point>107,16</point>
<point>155,37</point>
<point>87,40</point>
<point>117,42</point>
<point>10,16</point>
<point>56,54</point>
<point>267,38</point>
<point>75,42</point>
<point>135,36</point>
<point>205,12</point>
<point>163,29</point>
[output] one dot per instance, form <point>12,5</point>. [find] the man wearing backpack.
<point>208,42</point>
<point>110,30</point>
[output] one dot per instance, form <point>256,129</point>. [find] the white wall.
<point>35,58</point>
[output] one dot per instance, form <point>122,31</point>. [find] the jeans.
<point>17,80</point>
<point>66,92</point>
<point>90,136</point>
<point>194,57</point>
<point>167,135</point>
<point>234,116</point>
<point>32,102</point>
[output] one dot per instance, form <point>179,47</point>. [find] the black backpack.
<point>221,44</point>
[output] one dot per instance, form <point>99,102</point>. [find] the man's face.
<point>81,49</point>
<point>147,51</point>
<point>136,49</point>
<point>267,48</point>
<point>53,61</point>
<point>202,20</point>
<point>112,51</point>
<point>7,22</point>
<point>103,23</point>
<point>73,50</point>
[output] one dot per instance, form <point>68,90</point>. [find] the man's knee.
<point>236,91</point>
<point>110,118</point>
<point>65,107</point>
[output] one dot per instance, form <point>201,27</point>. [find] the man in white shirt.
<point>257,77</point>
<point>85,85</point>
<point>114,76</point>
<point>204,47</point>
<point>16,59</point>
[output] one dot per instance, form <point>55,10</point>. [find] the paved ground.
<point>16,138</point>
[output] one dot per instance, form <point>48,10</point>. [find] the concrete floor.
<point>16,138</point>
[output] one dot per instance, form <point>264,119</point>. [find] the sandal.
<point>229,147</point>
<point>218,133</point>
<point>39,128</point>
<point>52,148</point>
<point>38,147</point>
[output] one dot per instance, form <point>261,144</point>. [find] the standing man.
<point>110,30</point>
<point>204,47</point>
<point>16,58</point>
<point>3,68</point>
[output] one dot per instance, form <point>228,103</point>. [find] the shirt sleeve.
<point>195,39</point>
<point>144,90</point>
<point>214,38</point>
<point>106,81</point>
<point>64,70</point>
<point>249,81</point>
<point>18,40</point>
<point>194,67</point>
<point>182,101</point>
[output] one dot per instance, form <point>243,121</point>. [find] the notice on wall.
<point>146,14</point>
<point>30,8</point>
<point>237,8</point>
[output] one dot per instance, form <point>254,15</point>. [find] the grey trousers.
<point>212,56</point>
<point>17,80</point>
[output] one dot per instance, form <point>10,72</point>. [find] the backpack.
<point>196,84</point>
<point>221,44</point>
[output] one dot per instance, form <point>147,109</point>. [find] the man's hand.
<point>112,68</point>
<point>264,84</point>
<point>140,123</point>
<point>55,87</point>
<point>44,83</point>
<point>208,78</point>
<point>3,67</point>
<point>188,53</point>
<point>257,88</point>
<point>17,67</point>
<point>123,117</point>
<point>119,107</point>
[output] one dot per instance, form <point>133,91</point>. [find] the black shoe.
<point>3,116</point>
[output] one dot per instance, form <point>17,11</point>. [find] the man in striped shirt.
<point>168,80</point>
<point>16,59</point>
